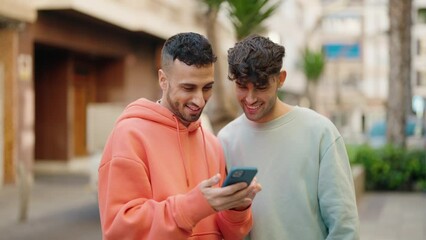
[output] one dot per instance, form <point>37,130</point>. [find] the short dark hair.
<point>190,48</point>
<point>255,59</point>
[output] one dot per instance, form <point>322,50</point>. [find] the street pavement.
<point>63,207</point>
<point>393,216</point>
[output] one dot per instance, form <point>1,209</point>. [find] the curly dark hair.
<point>255,59</point>
<point>190,48</point>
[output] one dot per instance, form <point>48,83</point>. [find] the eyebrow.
<point>187,85</point>
<point>195,85</point>
<point>245,82</point>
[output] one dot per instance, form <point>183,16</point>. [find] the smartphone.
<point>240,174</point>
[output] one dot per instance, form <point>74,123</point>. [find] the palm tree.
<point>248,16</point>
<point>399,94</point>
<point>313,63</point>
<point>219,110</point>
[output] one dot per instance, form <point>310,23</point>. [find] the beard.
<point>178,110</point>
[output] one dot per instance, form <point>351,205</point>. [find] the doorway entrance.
<point>65,84</point>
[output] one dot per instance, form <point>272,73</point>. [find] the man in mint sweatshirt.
<point>308,190</point>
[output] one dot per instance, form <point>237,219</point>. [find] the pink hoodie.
<point>148,176</point>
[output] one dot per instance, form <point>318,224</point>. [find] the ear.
<point>162,79</point>
<point>283,76</point>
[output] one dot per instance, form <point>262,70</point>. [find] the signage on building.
<point>342,50</point>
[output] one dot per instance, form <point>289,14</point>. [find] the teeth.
<point>252,107</point>
<point>193,108</point>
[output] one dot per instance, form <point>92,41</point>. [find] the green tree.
<point>399,94</point>
<point>313,63</point>
<point>248,16</point>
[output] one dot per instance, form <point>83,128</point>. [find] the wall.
<point>141,78</point>
<point>1,123</point>
<point>100,121</point>
<point>8,50</point>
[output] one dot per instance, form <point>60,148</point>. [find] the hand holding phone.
<point>240,174</point>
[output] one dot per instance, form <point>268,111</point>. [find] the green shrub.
<point>391,168</point>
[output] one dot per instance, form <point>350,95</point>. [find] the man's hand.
<point>237,196</point>
<point>253,189</point>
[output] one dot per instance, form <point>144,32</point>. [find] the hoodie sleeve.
<point>235,224</point>
<point>128,211</point>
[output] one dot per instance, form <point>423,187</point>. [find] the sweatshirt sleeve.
<point>336,193</point>
<point>128,211</point>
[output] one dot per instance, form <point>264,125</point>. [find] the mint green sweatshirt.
<point>303,167</point>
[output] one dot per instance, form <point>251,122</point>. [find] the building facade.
<point>419,64</point>
<point>419,48</point>
<point>62,62</point>
<point>353,35</point>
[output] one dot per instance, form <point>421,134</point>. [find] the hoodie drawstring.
<point>181,151</point>
<point>205,151</point>
<point>182,155</point>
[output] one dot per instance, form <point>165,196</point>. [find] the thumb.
<point>212,181</point>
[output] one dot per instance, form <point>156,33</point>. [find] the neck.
<point>282,108</point>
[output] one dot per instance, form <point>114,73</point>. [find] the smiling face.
<point>186,89</point>
<point>255,65</point>
<point>259,103</point>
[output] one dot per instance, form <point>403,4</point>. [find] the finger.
<point>253,182</point>
<point>253,194</point>
<point>224,201</point>
<point>239,195</point>
<point>253,190</point>
<point>254,185</point>
<point>234,188</point>
<point>241,205</point>
<point>211,181</point>
<point>235,204</point>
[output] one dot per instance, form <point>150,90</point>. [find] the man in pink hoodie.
<point>161,173</point>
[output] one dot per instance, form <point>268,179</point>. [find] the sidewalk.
<point>393,216</point>
<point>63,207</point>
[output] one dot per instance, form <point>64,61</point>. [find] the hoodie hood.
<point>152,111</point>
<point>155,112</point>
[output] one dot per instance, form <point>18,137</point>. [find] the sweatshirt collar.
<point>284,119</point>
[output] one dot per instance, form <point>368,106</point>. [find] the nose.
<point>198,99</point>
<point>251,97</point>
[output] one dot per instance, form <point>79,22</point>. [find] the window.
<point>421,47</point>
<point>421,15</point>
<point>421,79</point>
